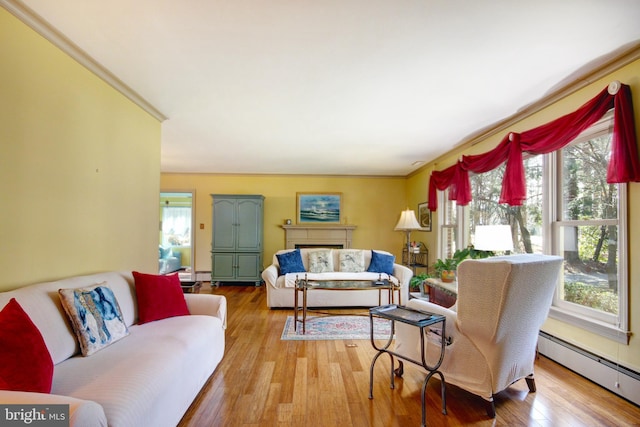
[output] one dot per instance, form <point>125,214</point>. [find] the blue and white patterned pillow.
<point>351,260</point>
<point>95,316</point>
<point>321,261</point>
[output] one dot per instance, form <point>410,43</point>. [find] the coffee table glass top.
<point>345,284</point>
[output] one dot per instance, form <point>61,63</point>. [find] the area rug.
<point>337,328</point>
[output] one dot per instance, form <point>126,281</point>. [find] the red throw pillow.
<point>25,361</point>
<point>159,297</point>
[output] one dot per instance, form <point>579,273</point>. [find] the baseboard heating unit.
<point>618,379</point>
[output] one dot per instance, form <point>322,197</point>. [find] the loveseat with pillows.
<point>120,348</point>
<point>333,264</point>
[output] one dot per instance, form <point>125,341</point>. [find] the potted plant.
<point>416,281</point>
<point>446,269</point>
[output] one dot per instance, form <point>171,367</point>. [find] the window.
<point>588,228</point>
<point>570,211</point>
<point>450,228</point>
<point>176,226</point>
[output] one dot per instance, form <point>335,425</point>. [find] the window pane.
<point>591,266</point>
<point>449,241</point>
<point>525,220</point>
<point>585,192</point>
<point>176,226</point>
<point>448,228</point>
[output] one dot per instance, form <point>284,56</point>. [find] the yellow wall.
<point>372,204</point>
<point>79,167</point>
<point>630,75</point>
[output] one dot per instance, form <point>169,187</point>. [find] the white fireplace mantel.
<point>318,235</point>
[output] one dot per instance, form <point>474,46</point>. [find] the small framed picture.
<point>424,216</point>
<point>323,208</point>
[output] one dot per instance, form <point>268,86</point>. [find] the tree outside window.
<point>587,227</point>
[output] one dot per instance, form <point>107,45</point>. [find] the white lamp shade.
<point>493,238</point>
<point>408,221</point>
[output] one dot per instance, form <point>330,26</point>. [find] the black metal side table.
<point>421,320</point>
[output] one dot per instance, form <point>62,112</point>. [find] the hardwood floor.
<point>263,381</point>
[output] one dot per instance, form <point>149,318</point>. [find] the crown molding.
<point>46,30</point>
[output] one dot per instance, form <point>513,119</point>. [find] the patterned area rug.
<point>337,328</point>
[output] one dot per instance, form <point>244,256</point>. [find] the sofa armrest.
<point>81,412</point>
<point>452,332</point>
<point>270,275</point>
<point>404,275</point>
<point>210,305</point>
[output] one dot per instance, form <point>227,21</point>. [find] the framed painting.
<point>323,208</point>
<point>424,216</point>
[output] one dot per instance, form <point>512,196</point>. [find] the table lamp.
<point>493,238</point>
<point>408,223</point>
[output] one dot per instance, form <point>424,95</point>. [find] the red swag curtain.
<point>624,165</point>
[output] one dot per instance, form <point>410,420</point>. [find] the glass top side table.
<point>420,320</point>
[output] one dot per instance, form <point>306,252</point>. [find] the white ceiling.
<point>355,87</point>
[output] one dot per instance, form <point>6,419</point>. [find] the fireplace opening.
<point>312,245</point>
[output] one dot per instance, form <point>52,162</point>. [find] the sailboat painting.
<point>319,207</point>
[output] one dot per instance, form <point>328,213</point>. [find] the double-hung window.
<point>451,227</point>
<point>588,228</point>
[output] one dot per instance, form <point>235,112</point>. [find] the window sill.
<point>600,328</point>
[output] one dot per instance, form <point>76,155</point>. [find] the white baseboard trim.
<point>203,276</point>
<point>619,380</point>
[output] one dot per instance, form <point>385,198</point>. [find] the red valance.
<point>624,165</point>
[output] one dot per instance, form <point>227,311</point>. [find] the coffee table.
<point>305,285</point>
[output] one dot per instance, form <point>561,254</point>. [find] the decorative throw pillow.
<point>321,261</point>
<point>351,260</point>
<point>381,263</point>
<point>95,316</point>
<point>159,297</point>
<point>25,362</point>
<point>290,262</point>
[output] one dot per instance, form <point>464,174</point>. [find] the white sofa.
<point>280,287</point>
<point>148,378</point>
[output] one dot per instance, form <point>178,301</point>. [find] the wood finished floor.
<point>263,381</point>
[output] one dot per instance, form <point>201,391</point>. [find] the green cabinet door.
<point>249,225</point>
<point>224,225</point>
<point>236,241</point>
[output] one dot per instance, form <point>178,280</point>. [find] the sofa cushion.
<point>321,261</point>
<point>290,262</point>
<point>159,297</point>
<point>25,361</point>
<point>95,316</point>
<point>381,263</point>
<point>151,377</point>
<point>352,260</point>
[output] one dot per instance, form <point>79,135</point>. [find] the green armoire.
<point>236,242</point>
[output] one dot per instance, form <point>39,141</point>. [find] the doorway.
<point>176,235</point>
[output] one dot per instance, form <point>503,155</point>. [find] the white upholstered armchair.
<point>493,327</point>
